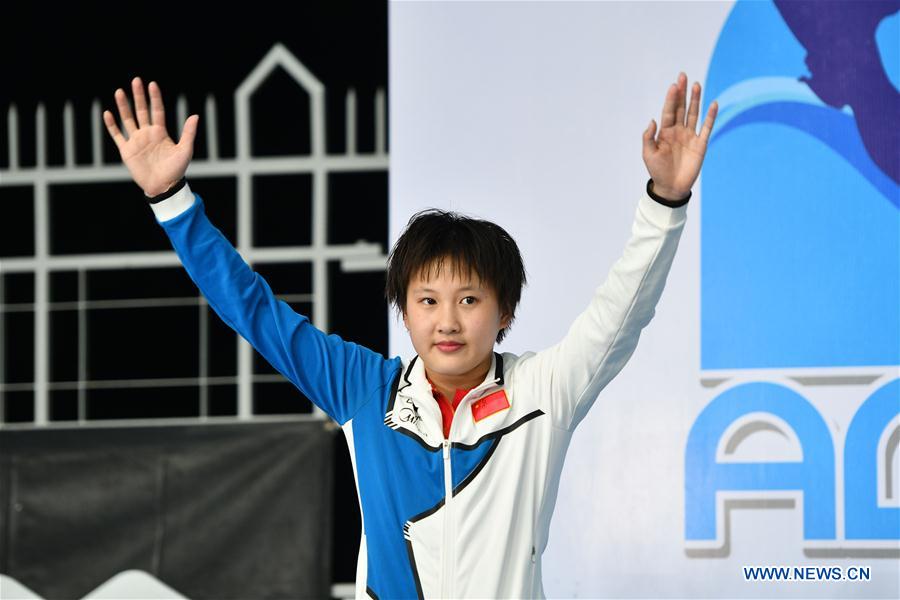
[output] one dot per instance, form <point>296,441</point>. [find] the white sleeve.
<point>568,376</point>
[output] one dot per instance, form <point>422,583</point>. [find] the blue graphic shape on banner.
<point>801,203</point>
<point>865,519</point>
<point>887,37</point>
<point>845,67</point>
<point>705,476</point>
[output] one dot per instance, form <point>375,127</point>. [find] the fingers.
<point>694,110</point>
<point>681,99</point>
<point>706,130</point>
<point>648,137</point>
<point>113,129</point>
<point>158,111</point>
<point>140,102</point>
<point>189,132</point>
<point>668,113</point>
<point>125,112</point>
<point>140,107</point>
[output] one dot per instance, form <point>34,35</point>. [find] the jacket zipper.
<point>449,536</point>
<point>446,576</point>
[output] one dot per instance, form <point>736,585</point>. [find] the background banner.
<point>213,511</point>
<point>758,422</point>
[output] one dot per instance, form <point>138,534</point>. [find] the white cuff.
<point>661,215</point>
<point>170,208</point>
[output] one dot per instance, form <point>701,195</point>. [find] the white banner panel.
<point>756,424</point>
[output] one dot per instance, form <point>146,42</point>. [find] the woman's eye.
<point>472,298</point>
<point>427,300</point>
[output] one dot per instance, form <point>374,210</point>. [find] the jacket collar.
<point>413,410</point>
<point>414,382</point>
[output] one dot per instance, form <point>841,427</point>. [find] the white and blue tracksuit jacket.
<point>466,517</point>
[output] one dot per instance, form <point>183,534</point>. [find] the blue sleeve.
<point>338,376</point>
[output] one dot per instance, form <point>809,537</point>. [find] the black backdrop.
<point>57,52</point>
<point>214,512</point>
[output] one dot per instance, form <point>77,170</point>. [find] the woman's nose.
<point>448,320</point>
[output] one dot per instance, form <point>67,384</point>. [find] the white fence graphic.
<point>361,256</point>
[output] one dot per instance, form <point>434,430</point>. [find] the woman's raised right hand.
<point>155,162</point>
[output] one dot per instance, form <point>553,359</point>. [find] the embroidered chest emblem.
<point>409,414</point>
<point>489,405</point>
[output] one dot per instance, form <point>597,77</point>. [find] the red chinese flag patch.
<point>489,405</point>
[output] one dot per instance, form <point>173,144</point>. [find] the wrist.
<point>666,196</point>
<point>170,191</point>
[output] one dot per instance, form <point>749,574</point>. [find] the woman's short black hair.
<point>482,248</point>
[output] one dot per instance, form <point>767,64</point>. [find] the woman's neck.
<point>448,384</point>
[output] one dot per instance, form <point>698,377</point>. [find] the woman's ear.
<point>405,322</point>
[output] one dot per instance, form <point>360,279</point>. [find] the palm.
<point>153,159</point>
<point>675,156</point>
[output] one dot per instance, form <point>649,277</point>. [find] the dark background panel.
<point>63,286</point>
<point>222,347</point>
<point>88,218</point>
<point>140,283</point>
<point>80,53</point>
<point>365,118</point>
<point>276,131</point>
<point>282,210</point>
<point>143,403</point>
<point>362,316</point>
<point>335,124</point>
<point>222,400</point>
<point>279,398</point>
<point>63,346</point>
<point>63,405</point>
<point>137,343</point>
<point>17,224</point>
<point>19,407</point>
<point>363,195</point>
<point>18,347</point>
<point>18,288</point>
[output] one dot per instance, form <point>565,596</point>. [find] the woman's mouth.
<point>449,346</point>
